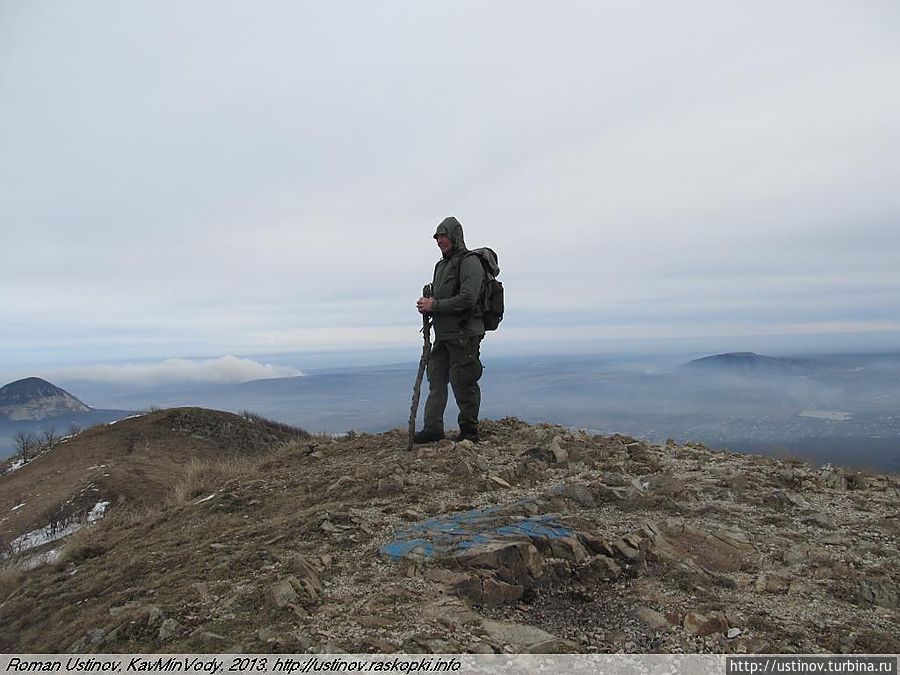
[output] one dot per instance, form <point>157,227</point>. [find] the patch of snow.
<point>49,533</point>
<point>205,499</point>
<point>43,536</point>
<point>18,464</point>
<point>18,506</point>
<point>130,417</point>
<point>97,512</point>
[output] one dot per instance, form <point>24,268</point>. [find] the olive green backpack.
<point>490,301</point>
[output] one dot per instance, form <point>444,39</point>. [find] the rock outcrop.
<point>537,539</point>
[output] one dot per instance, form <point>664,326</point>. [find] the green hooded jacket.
<point>458,279</point>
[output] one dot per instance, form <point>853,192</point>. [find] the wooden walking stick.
<point>423,363</point>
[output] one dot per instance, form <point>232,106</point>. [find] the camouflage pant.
<point>454,361</point>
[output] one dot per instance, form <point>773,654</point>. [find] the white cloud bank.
<point>222,370</point>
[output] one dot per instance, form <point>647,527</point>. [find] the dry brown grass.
<point>204,476</point>
<point>790,458</point>
<point>12,575</point>
<point>137,461</point>
<point>274,424</point>
<point>83,544</point>
<point>93,540</point>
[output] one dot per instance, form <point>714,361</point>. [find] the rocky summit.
<point>36,399</point>
<point>537,539</point>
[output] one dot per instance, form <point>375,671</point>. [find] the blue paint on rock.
<point>459,532</point>
<point>400,549</point>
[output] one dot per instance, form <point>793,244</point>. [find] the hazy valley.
<point>841,409</point>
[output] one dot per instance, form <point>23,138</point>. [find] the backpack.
<point>490,302</point>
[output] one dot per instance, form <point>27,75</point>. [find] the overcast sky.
<point>203,179</point>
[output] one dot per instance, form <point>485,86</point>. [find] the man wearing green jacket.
<point>458,331</point>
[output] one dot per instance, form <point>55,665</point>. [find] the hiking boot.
<point>428,436</point>
<point>467,434</point>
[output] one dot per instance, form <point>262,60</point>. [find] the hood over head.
<point>453,229</point>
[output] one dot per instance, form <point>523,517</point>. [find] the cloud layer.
<point>224,370</point>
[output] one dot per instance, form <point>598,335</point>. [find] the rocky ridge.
<point>538,539</point>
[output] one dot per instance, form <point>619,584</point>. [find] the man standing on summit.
<point>458,331</point>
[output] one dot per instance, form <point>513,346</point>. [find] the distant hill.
<point>34,406</point>
<point>35,399</point>
<point>745,362</point>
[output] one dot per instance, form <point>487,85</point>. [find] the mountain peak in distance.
<point>33,398</point>
<point>744,362</point>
